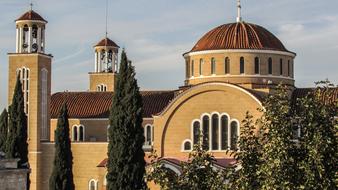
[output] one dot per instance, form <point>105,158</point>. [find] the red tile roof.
<point>302,92</point>
<point>107,42</point>
<point>219,162</point>
<point>239,35</point>
<point>31,15</point>
<point>97,104</point>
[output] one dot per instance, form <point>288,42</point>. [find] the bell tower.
<point>106,65</point>
<point>33,66</point>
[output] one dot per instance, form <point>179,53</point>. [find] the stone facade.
<point>12,177</point>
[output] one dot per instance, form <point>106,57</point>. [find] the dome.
<point>31,15</point>
<point>107,42</point>
<point>239,35</point>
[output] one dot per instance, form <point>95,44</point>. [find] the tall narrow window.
<point>81,133</point>
<point>93,185</point>
<point>241,62</point>
<point>224,137</point>
<point>234,135</point>
<point>215,132</point>
<point>201,66</point>
<point>148,135</point>
<point>281,66</point>
<point>75,136</point>
<point>23,74</point>
<point>206,132</point>
<point>256,65</point>
<point>192,68</point>
<point>270,66</point>
<point>196,131</point>
<point>187,68</point>
<point>289,68</point>
<point>44,106</point>
<point>226,65</point>
<point>213,66</point>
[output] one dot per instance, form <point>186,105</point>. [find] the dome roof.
<point>239,35</point>
<point>31,15</point>
<point>107,42</point>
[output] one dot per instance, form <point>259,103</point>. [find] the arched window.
<point>224,133</point>
<point>75,135</point>
<point>197,132</point>
<point>281,66</point>
<point>215,132</point>
<point>201,66</point>
<point>148,134</point>
<point>205,121</point>
<point>81,133</point>
<point>270,66</point>
<point>241,61</point>
<point>25,38</point>
<point>256,65</point>
<point>192,68</point>
<point>34,39</point>
<point>23,74</point>
<point>213,66</point>
<point>44,106</point>
<point>226,65</point>
<point>93,184</point>
<point>234,135</point>
<point>187,146</point>
<point>101,88</point>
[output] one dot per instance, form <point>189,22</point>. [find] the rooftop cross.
<point>106,18</point>
<point>239,17</point>
<point>31,5</point>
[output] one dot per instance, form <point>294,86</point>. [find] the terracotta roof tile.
<point>239,36</point>
<point>107,42</point>
<point>302,92</point>
<point>31,15</point>
<point>220,162</point>
<point>97,104</point>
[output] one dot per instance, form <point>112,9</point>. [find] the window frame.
<point>257,66</point>
<point>241,65</point>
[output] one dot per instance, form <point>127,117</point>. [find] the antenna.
<point>239,7</point>
<point>106,18</point>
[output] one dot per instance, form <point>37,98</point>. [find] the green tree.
<point>318,137</point>
<point>62,174</point>
<point>199,172</point>
<point>277,170</point>
<point>3,130</point>
<point>248,157</point>
<point>17,146</point>
<point>126,165</point>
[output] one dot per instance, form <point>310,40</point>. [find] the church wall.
<point>86,157</point>
<point>234,57</point>
<point>175,123</point>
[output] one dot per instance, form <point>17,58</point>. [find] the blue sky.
<point>156,33</point>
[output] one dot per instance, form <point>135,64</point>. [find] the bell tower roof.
<point>31,15</point>
<point>107,42</point>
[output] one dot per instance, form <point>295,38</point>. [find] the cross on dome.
<point>239,7</point>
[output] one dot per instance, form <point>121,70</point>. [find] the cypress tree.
<point>3,130</point>
<point>62,174</point>
<point>126,165</point>
<point>17,146</point>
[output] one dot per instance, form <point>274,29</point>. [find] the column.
<point>95,62</point>
<point>20,39</point>
<point>107,60</point>
<point>17,41</point>
<point>99,62</point>
<point>39,39</point>
<point>30,39</point>
<point>43,38</point>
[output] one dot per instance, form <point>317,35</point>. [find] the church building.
<point>228,72</point>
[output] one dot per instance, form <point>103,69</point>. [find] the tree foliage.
<point>16,145</point>
<point>3,130</point>
<point>198,172</point>
<point>126,165</point>
<point>62,174</point>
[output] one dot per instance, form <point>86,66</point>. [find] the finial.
<point>239,17</point>
<point>31,5</point>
